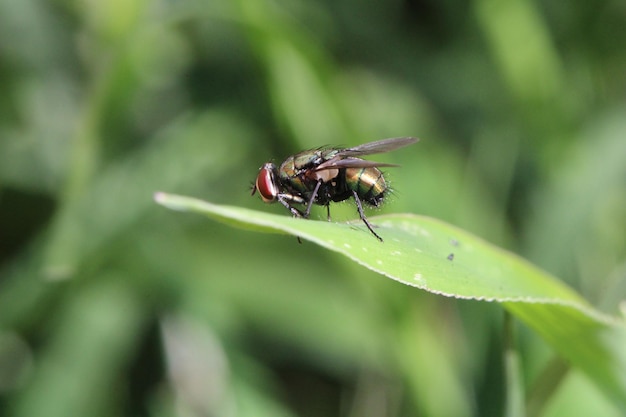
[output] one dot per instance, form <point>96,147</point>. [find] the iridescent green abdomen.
<point>369,183</point>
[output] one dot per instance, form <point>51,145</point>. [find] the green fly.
<point>324,175</point>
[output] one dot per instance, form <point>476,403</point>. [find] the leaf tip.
<point>159,197</point>
<point>166,200</point>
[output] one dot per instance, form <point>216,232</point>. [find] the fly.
<point>324,175</point>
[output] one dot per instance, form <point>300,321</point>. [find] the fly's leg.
<point>312,199</point>
<point>328,212</point>
<point>284,200</point>
<point>359,206</point>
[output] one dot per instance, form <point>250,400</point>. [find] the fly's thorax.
<point>298,171</point>
<point>297,165</point>
<point>369,183</point>
<point>288,168</point>
<point>291,176</point>
<point>306,160</point>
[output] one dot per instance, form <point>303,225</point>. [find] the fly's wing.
<point>379,146</point>
<point>343,162</point>
<point>344,158</point>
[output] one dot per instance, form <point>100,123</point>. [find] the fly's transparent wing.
<point>379,146</point>
<point>342,162</point>
<point>345,158</point>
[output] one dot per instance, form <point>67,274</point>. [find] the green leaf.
<point>434,256</point>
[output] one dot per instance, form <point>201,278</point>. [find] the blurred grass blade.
<point>91,340</point>
<point>513,372</point>
<point>179,155</point>
<point>429,254</point>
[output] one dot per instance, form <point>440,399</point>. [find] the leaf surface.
<point>429,254</point>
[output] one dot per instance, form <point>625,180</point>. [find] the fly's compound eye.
<point>266,183</point>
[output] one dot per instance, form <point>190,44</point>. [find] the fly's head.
<point>267,183</point>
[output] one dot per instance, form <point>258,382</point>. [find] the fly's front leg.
<point>285,199</point>
<point>288,199</point>
<point>359,207</point>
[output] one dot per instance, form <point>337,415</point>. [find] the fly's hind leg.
<point>359,207</point>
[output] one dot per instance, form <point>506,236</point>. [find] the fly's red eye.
<point>266,183</point>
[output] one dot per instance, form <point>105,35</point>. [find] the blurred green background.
<point>111,305</point>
